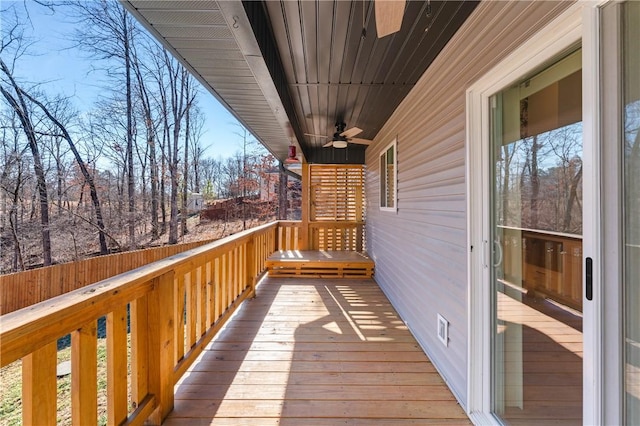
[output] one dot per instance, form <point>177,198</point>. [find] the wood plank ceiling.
<point>313,67</point>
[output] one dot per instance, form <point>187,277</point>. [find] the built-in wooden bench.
<point>319,264</point>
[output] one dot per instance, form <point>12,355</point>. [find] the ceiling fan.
<point>341,138</point>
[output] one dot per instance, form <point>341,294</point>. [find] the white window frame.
<point>383,175</point>
<point>578,24</point>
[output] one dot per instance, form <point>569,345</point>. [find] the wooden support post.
<point>117,366</point>
<point>84,372</point>
<point>39,386</point>
<point>161,344</point>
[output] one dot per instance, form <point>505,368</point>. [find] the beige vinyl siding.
<point>421,250</point>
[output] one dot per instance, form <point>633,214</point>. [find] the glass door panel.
<point>536,223</point>
<point>631,204</point>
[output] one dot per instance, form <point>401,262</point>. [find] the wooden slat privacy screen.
<point>336,207</point>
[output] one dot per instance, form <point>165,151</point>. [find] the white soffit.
<point>214,40</point>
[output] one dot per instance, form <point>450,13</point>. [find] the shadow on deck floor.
<point>314,352</point>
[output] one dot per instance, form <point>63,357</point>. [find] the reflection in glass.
<point>631,165</point>
<point>536,225</point>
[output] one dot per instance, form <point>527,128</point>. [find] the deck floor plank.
<point>315,352</point>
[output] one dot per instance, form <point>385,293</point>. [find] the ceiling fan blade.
<point>389,16</point>
<point>360,141</point>
<point>328,144</point>
<point>349,133</point>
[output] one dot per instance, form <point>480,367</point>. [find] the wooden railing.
<point>336,236</point>
<point>547,263</point>
<point>288,235</point>
<point>170,308</point>
<point>21,289</point>
<point>159,318</point>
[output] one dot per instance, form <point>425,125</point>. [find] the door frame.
<point>577,26</point>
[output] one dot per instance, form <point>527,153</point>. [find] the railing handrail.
<point>30,328</point>
<point>541,231</point>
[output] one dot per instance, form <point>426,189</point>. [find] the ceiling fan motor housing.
<point>337,136</point>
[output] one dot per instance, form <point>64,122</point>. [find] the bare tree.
<point>151,135</point>
<point>13,95</point>
<point>197,132</point>
<point>181,97</point>
<point>12,178</point>
<point>85,173</point>
<point>107,32</point>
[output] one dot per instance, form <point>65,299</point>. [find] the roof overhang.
<point>215,42</point>
<point>289,70</point>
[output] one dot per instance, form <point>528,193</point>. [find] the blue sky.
<point>67,71</point>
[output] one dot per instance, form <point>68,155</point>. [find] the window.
<point>388,178</point>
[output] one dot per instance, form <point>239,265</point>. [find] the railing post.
<point>161,344</point>
<point>39,386</point>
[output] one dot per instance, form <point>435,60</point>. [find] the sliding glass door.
<point>536,234</point>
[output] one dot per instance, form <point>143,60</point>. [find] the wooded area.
<point>117,178</point>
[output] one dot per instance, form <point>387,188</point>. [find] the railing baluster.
<point>117,365</point>
<point>218,288</point>
<point>211,300</point>
<point>191,309</point>
<point>250,269</point>
<point>240,270</point>
<point>84,372</point>
<point>139,350</point>
<point>202,301</point>
<point>224,282</point>
<point>179,314</point>
<point>236,261</point>
<point>39,397</point>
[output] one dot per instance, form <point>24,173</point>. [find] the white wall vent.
<point>443,330</point>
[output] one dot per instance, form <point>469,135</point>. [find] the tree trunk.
<point>60,179</point>
<point>151,137</point>
<point>130,177</point>
<point>185,178</point>
<point>535,183</point>
<point>573,194</point>
<point>20,107</point>
<point>282,196</point>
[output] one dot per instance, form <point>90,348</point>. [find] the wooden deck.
<point>314,352</point>
<point>320,264</point>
